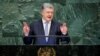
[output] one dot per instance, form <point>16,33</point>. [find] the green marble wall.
<point>82,17</point>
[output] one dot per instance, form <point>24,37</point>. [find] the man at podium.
<point>45,31</point>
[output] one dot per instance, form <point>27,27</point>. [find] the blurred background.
<point>81,16</point>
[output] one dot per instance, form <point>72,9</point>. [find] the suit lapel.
<point>51,28</point>
<point>41,29</point>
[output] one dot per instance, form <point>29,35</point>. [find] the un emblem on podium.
<point>46,51</point>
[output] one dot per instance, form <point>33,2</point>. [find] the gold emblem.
<point>46,51</point>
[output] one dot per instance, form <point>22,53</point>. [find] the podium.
<point>58,39</point>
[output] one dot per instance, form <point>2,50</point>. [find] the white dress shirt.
<point>49,25</point>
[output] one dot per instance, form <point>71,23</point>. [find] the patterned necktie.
<point>46,31</point>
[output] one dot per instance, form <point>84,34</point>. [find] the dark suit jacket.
<point>36,34</point>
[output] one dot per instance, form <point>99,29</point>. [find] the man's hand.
<point>63,28</point>
<point>26,29</point>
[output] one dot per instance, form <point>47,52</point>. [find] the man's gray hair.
<point>47,5</point>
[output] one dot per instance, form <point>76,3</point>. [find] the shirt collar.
<point>44,21</point>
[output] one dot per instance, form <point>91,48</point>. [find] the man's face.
<point>47,14</point>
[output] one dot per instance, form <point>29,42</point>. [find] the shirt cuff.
<point>64,33</point>
<point>26,34</point>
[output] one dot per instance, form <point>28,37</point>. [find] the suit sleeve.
<point>29,39</point>
<point>65,38</point>
<point>62,38</point>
